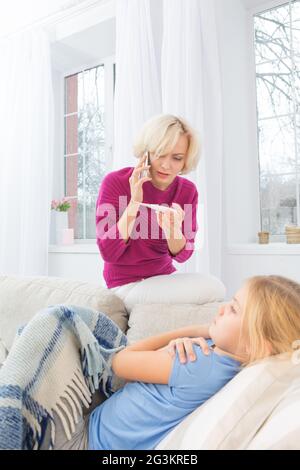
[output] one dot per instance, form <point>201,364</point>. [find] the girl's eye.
<point>232,309</point>
<point>178,159</point>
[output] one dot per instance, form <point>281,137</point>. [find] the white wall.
<point>241,191</point>
<point>17,14</point>
<point>241,262</point>
<point>77,264</point>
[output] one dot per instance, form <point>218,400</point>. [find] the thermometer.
<point>157,207</point>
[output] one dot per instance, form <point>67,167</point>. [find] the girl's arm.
<point>144,362</point>
<point>158,341</point>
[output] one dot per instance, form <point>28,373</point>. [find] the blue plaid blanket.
<point>56,363</point>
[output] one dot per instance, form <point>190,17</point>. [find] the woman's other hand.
<point>184,346</point>
<point>171,221</point>
<point>136,182</point>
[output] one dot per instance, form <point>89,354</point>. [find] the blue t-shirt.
<point>139,415</point>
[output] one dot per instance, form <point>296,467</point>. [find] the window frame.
<point>257,9</point>
<point>109,78</point>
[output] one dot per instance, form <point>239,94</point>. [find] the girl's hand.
<point>184,346</point>
<point>171,222</point>
<point>136,183</point>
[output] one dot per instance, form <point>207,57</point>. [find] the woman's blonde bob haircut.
<point>271,316</point>
<point>160,134</point>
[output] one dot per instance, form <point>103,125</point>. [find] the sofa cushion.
<point>22,297</point>
<point>235,418</point>
<point>152,319</point>
<point>281,431</point>
<point>179,288</point>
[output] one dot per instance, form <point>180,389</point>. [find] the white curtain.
<point>26,137</point>
<point>190,86</point>
<point>137,92</point>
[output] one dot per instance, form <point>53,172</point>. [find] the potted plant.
<point>64,235</point>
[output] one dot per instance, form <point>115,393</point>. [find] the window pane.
<point>95,170</point>
<point>278,203</point>
<point>84,137</point>
<point>78,228</point>
<point>277,146</point>
<point>90,216</point>
<point>278,91</point>
<point>297,88</point>
<point>71,172</point>
<point>274,88</point>
<point>272,34</point>
<point>295,13</point>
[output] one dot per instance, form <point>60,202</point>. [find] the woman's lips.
<point>162,175</point>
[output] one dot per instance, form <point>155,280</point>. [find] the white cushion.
<point>282,429</point>
<point>179,288</point>
<point>148,320</point>
<point>235,415</point>
<point>22,297</point>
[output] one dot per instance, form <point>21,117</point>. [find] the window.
<point>277,53</point>
<point>87,142</point>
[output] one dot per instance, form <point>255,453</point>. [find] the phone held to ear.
<point>145,173</point>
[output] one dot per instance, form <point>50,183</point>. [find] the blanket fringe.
<point>79,391</point>
<point>52,433</point>
<point>69,406</point>
<point>67,396</point>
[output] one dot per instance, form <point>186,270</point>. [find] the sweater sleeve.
<point>190,228</point>
<point>108,211</point>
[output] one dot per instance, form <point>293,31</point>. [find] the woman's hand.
<point>184,346</point>
<point>136,183</point>
<point>171,221</point>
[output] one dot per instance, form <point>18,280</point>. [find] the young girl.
<point>262,319</point>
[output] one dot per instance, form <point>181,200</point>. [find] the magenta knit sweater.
<point>146,252</point>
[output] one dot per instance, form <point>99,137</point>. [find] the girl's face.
<point>165,168</point>
<point>225,330</point>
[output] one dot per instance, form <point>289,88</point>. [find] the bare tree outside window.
<point>277,52</point>
<point>85,139</point>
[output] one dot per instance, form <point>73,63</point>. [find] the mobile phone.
<point>145,173</point>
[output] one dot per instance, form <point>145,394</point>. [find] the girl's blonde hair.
<point>271,316</point>
<point>160,134</point>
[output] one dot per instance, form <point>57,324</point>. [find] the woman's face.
<point>165,168</point>
<point>225,330</point>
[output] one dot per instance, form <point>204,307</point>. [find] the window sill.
<point>269,249</point>
<point>87,248</point>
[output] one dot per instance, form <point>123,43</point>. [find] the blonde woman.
<point>195,362</point>
<point>137,242</point>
